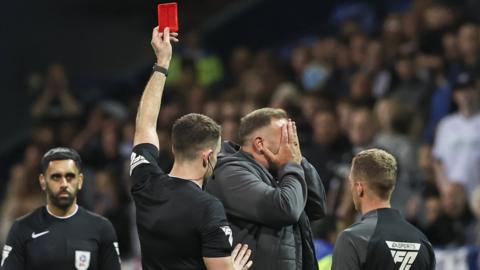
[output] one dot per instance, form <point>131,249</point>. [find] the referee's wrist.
<point>160,68</point>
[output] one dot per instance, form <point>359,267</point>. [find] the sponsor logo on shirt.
<point>404,253</point>
<point>228,233</point>
<point>82,259</point>
<point>136,160</point>
<point>5,253</point>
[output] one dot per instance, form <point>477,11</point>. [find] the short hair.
<point>192,133</point>
<point>61,153</point>
<point>378,168</point>
<point>258,119</point>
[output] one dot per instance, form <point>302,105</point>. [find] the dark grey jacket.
<point>270,214</point>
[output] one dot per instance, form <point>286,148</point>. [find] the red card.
<point>167,17</point>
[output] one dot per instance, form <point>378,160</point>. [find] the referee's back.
<point>383,239</point>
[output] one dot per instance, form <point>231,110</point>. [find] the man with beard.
<point>270,192</point>
<point>179,225</point>
<point>61,235</point>
<point>382,239</point>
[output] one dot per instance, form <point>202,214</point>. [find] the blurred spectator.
<point>329,152</point>
<point>56,100</point>
<point>457,142</point>
<point>449,220</point>
<point>394,122</point>
<point>23,191</point>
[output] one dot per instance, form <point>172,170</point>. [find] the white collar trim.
<point>65,217</point>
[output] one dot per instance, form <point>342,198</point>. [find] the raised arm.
<point>147,114</point>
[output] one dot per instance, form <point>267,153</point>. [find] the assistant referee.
<point>383,239</point>
<point>61,235</point>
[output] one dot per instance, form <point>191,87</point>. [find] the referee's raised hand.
<point>162,47</point>
<point>240,255</point>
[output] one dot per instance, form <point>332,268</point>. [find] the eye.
<point>56,177</point>
<point>70,177</point>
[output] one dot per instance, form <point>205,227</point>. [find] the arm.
<point>248,197</point>
<point>13,253</point>
<point>109,250</point>
<point>147,115</point>
<point>240,256</point>
<point>217,238</point>
<point>316,207</point>
<point>345,255</point>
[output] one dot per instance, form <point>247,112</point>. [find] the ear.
<point>360,189</point>
<point>42,181</point>
<point>206,156</point>
<point>80,181</point>
<point>258,144</point>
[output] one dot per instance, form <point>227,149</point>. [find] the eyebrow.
<point>66,174</point>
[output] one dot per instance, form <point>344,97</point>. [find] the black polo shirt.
<point>383,239</point>
<point>178,223</point>
<point>42,241</point>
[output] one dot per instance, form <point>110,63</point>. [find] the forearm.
<point>147,115</point>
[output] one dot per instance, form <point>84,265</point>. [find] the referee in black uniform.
<point>180,226</point>
<point>61,235</point>
<point>383,239</point>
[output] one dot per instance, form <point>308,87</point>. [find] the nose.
<point>64,182</point>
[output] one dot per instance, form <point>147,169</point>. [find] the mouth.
<point>63,195</point>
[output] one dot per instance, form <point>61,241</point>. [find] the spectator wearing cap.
<point>457,143</point>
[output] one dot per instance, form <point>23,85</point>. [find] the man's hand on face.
<point>162,47</point>
<point>289,150</point>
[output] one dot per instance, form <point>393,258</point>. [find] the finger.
<point>173,34</point>
<point>242,252</point>
<point>236,250</point>
<point>246,257</point>
<point>173,39</point>
<point>248,265</point>
<point>290,131</point>
<point>166,35</point>
<point>294,129</point>
<point>284,137</point>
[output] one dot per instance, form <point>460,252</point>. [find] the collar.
<point>65,217</point>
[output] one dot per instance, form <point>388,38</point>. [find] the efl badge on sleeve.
<point>228,233</point>
<point>82,259</point>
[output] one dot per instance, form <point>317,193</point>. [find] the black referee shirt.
<point>383,239</point>
<point>178,223</point>
<point>42,241</point>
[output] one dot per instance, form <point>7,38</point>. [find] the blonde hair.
<point>378,168</point>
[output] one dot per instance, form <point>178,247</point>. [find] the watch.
<point>160,69</point>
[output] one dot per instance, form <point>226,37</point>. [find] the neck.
<point>59,212</point>
<point>188,170</point>
<point>467,111</point>
<point>371,205</point>
<point>258,158</point>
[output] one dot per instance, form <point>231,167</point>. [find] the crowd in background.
<point>392,88</point>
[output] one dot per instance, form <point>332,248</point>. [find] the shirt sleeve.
<point>345,256</point>
<point>13,253</point>
<point>245,195</point>
<point>109,250</point>
<point>143,164</point>
<point>216,234</point>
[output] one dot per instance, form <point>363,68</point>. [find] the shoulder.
<point>31,217</point>
<point>449,120</point>
<point>94,218</point>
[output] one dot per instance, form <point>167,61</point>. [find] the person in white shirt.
<point>457,142</point>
